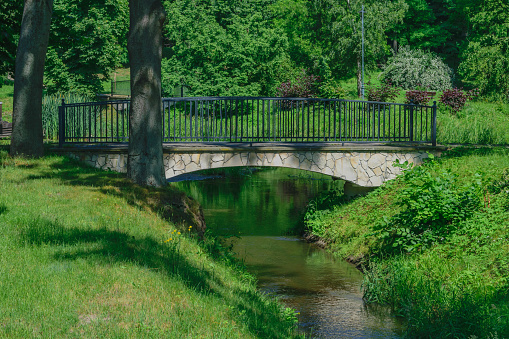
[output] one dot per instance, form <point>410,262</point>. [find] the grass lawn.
<point>86,254</point>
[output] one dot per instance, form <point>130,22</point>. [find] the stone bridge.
<point>366,164</point>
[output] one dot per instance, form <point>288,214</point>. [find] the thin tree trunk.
<point>27,137</point>
<point>145,154</point>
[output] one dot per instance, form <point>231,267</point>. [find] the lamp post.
<point>362,77</point>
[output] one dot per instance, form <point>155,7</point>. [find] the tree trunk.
<point>27,136</point>
<point>145,154</point>
<point>394,46</point>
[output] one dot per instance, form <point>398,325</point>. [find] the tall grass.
<point>440,297</point>
<point>478,123</point>
<point>50,104</point>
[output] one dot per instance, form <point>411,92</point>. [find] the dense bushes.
<point>434,243</point>
<point>304,86</point>
<point>411,68</point>
<point>419,97</point>
<point>431,206</point>
<point>385,92</point>
<point>456,98</point>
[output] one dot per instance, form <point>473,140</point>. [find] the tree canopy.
<point>250,47</point>
<point>88,39</point>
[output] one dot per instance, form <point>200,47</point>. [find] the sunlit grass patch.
<point>85,253</point>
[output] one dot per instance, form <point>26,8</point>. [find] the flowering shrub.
<point>304,86</point>
<point>419,97</point>
<point>383,93</point>
<point>411,67</point>
<point>456,98</point>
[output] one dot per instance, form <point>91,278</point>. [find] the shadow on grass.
<point>462,151</point>
<point>168,202</point>
<point>104,246</point>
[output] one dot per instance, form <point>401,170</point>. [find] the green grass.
<point>478,123</point>
<point>6,97</point>
<point>458,287</point>
<point>120,74</point>
<point>86,254</point>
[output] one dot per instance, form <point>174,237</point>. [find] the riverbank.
<point>435,243</point>
<point>85,253</point>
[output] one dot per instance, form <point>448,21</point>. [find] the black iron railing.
<point>257,119</point>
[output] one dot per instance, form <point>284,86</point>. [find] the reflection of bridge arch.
<point>367,165</point>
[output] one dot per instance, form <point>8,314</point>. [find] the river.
<point>258,211</point>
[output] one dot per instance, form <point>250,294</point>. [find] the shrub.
<point>304,86</point>
<point>456,98</point>
<point>332,90</point>
<point>385,92</point>
<point>411,68</point>
<point>432,205</point>
<point>419,97</point>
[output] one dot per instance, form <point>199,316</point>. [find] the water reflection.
<point>326,292</point>
<point>263,207</point>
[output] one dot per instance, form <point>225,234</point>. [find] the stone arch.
<point>368,169</point>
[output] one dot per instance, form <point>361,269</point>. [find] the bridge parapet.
<point>364,165</point>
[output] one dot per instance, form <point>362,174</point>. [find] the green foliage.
<point>331,89</point>
<point>486,65</point>
<point>318,208</point>
<point>485,59</point>
<point>436,26</point>
<point>301,23</point>
<point>11,13</point>
<point>439,297</point>
<point>431,205</point>
<point>410,68</point>
<point>87,40</point>
<point>224,48</point>
<point>341,23</point>
<point>458,287</point>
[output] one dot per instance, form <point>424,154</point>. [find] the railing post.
<point>411,121</point>
<point>61,124</point>
<point>434,125</point>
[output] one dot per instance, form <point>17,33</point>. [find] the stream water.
<point>259,210</point>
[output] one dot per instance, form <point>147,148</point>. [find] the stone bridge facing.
<point>368,165</point>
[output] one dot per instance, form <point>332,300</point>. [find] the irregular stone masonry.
<point>368,168</point>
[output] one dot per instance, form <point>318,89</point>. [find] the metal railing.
<point>257,119</point>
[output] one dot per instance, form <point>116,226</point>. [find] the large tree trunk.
<point>145,159</point>
<point>27,136</point>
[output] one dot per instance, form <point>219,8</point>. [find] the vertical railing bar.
<point>378,116</point>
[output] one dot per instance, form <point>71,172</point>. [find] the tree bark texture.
<point>27,138</point>
<point>145,154</point>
